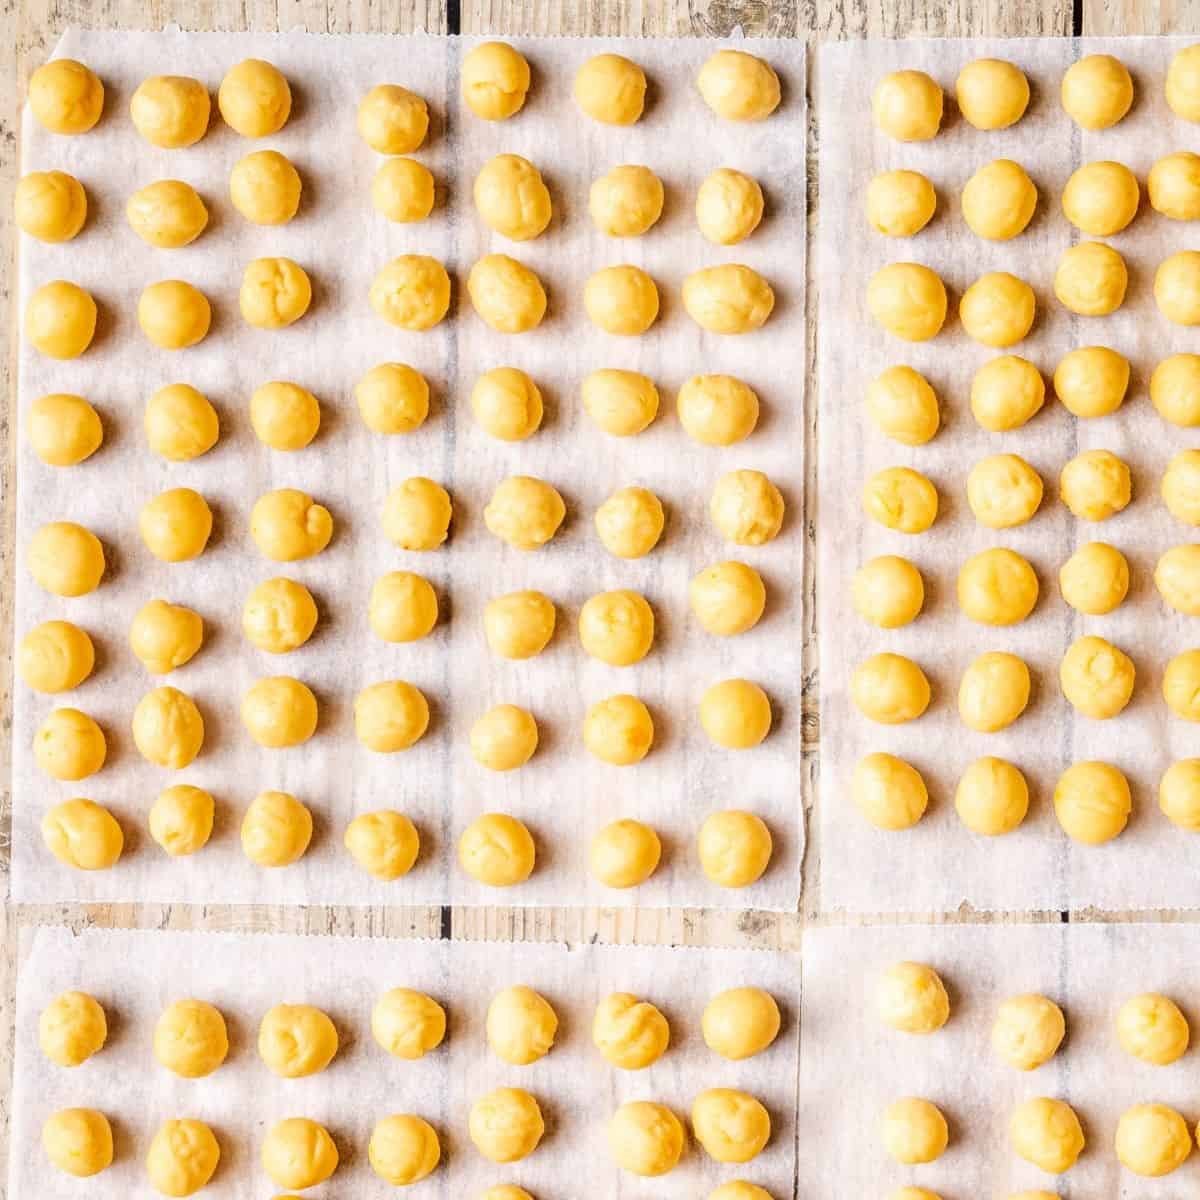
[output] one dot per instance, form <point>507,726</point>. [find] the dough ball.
<point>1006,392</point>
<point>170,111</point>
<point>507,404</point>
<point>279,616</point>
<point>747,508</point>
<point>182,1158</point>
<point>71,1028</point>
<point>164,636</point>
<point>167,214</point>
<point>732,1126</point>
<point>506,1191</point>
<point>1179,794</point>
<point>734,848</point>
<point>740,1023</point>
<point>889,792</point>
<point>1183,83</point>
<point>254,98</point>
<point>504,738</point>
<point>1175,389</point>
<point>624,854</point>
<point>521,1026</point>
<point>403,1149</point>
<point>1092,802</point>
<point>619,730</point>
<point>181,819</point>
<point>403,191</point>
<point>1101,198</point>
<point>993,692</point>
<point>412,292</point>
<point>717,410</point>
<point>729,206</point>
<point>997,587</point>
<point>992,797</point>
<point>626,201</point>
<point>1173,186</point>
<point>506,1125</point>
<point>276,830</point>
<point>519,625</point>
<point>524,512</point>
<point>617,627</point>
<point>1097,91</point>
<point>1091,279</point>
<point>630,1033</point>
<point>69,745</point>
<point>279,712</point>
<point>622,300</point>
<point>65,96</point>
<point>998,200</point>
<point>630,522</point>
<point>992,93</point>
<point>180,423</point>
<point>1151,1028</point>
<point>1003,490</point>
<point>739,1189</point>
<point>393,120</point>
<point>1152,1140</point>
<point>55,656</point>
<point>611,89</point>
<point>408,1024</point>
<point>914,1131</point>
<point>168,728</point>
<point>64,429</point>
<point>275,293</point>
<point>908,300</point>
<point>739,86</point>
<point>173,314</point>
<point>890,689</point>
<point>285,416</point>
<point>900,203</point>
<point>645,1138</point>
<point>728,598</point>
<point>1028,1031</point>
<point>298,1153</point>
<point>403,607</point>
<point>903,406</point>
<point>1181,487</point>
<point>735,714</point>
<point>265,188</point>
<point>997,309</point>
<point>731,298</point>
<point>288,525</point>
<point>392,398</point>
<point>65,559</point>
<point>384,843</point>
<point>390,716</point>
<point>50,205</point>
<point>78,1141</point>
<point>1181,685</point>
<point>1177,287</point>
<point>506,294</point>
<point>60,319</point>
<point>512,198</point>
<point>902,499</point>
<point>1097,678</point>
<point>621,402</point>
<point>295,1040</point>
<point>83,834</point>
<point>907,106</point>
<point>911,998</point>
<point>190,1039</point>
<point>1177,577</point>
<point>495,81</point>
<point>497,850</point>
<point>1095,485</point>
<point>1092,381</point>
<point>176,524</point>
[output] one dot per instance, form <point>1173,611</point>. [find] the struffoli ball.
<point>626,201</point>
<point>60,319</point>
<point>738,86</point>
<point>907,106</point>
<point>393,120</point>
<point>385,843</point>
<point>83,834</point>
<point>65,96</point>
<point>1097,91</point>
<point>170,111</point>
<point>611,89</point>
<point>254,98</point>
<point>167,214</point>
<point>50,205</point>
<point>495,81</point>
<point>992,93</point>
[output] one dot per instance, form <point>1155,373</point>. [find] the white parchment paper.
<point>563,794</point>
<point>939,863</point>
<point>136,974</point>
<point>852,1066</point>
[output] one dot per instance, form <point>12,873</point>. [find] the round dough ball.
<point>729,206</point>
<point>889,792</point>
<point>620,402</point>
<point>903,406</point>
<point>626,201</point>
<point>1177,577</point>
<point>732,1126</point>
<point>285,416</point>
<point>279,712</point>
<point>83,834</point>
<point>1097,678</point>
<point>630,1033</point>
<point>275,293</point>
<point>504,738</point>
<point>512,198</point>
<point>64,429</point>
<point>495,81</point>
<point>393,120</point>
<point>992,797</point>
<point>519,625</point>
<point>740,1022</point>
<point>1003,490</point>
<point>171,111</point>
<point>997,587</point>
<point>997,309</point>
<point>1179,794</point>
<point>914,1131</point>
<point>55,656</point>
<point>1151,1028</point>
<point>619,730</point>
<point>1097,91</point>
<point>412,292</point>
<point>408,1024</point>
<point>1006,392</point>
<point>1092,381</point>
<point>180,423</point>
<point>287,525</point>
<point>728,598</point>
<point>908,300</point>
<point>1175,389</point>
<point>900,203</point>
<point>624,854</point>
<point>621,300</point>
<point>1101,198</point>
<point>747,508</point>
<point>265,188</point>
<point>181,819</point>
<point>390,716</point>
<point>992,93</point>
<point>1173,186</point>
<point>167,214</point>
<point>71,1028</point>
<point>1028,1031</point>
<point>738,86</point>
<point>403,1149</point>
<point>734,848</point>
<point>611,89</point>
<point>176,525</point>
<point>1152,1140</point>
<point>254,98</point>
<point>385,843</point>
<point>164,636</point>
<point>630,522</point>
<point>279,616</point>
<point>403,190</point>
<point>739,1189</point>
<point>50,205</point>
<point>276,830</point>
<point>295,1040</point>
<point>1181,487</point>
<point>1095,485</point>
<point>1183,83</point>
<point>60,319</point>
<point>1091,279</point>
<point>524,512</point>
<point>998,200</point>
<point>173,314</point>
<point>1181,685</point>
<point>617,627</point>
<point>506,294</point>
<point>506,1125</point>
<point>890,689</point>
<point>190,1039</point>
<point>902,499</point>
<point>731,298</point>
<point>1092,802</point>
<point>65,96</point>
<point>403,607</point>
<point>521,1026</point>
<point>907,106</point>
<point>69,745</point>
<point>507,404</point>
<point>168,729</point>
<point>1177,287</point>
<point>78,1141</point>
<point>182,1158</point>
<point>717,410</point>
<point>993,692</point>
<point>506,1191</point>
<point>735,714</point>
<point>392,398</point>
<point>911,998</point>
<point>65,559</point>
<point>645,1138</point>
<point>298,1153</point>
<point>497,850</point>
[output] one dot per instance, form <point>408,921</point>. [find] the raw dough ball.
<point>190,1039</point>
<point>78,1141</point>
<point>403,607</point>
<point>50,205</point>
<point>630,522</point>
<point>60,319</point>
<point>619,730</point>
<point>1179,794</point>
<point>630,1033</point>
<point>173,314</point>
<point>506,1125</point>
<point>908,300</point>
<point>740,1023</point>
<point>506,294</point>
<point>992,93</point>
<point>626,201</point>
<point>506,1191</point>
<point>298,1153</point>
<point>1101,198</point>
<point>408,1024</point>
<point>176,525</point>
<point>82,834</point>
<point>902,499</point>
<point>295,1040</point>
<point>914,1131</point>
<point>1151,1028</point>
<point>412,292</point>
<point>167,214</point>
<point>997,587</point>
<point>521,1026</point>
<point>1097,91</point>
<point>180,423</point>
<point>65,559</point>
<point>279,711</point>
<point>69,745</point>
<point>279,616</point>
<point>1177,287</point>
<point>998,200</point>
<point>624,854</point>
<point>182,1158</point>
<point>1006,392</point>
<point>1177,577</point>
<point>385,843</point>
<point>997,309</point>
<point>1152,1140</point>
<point>71,1028</point>
<point>994,691</point>
<point>518,625</point>
<point>620,402</point>
<point>64,429</point>
<point>739,1189</point>
<point>524,512</point>
<point>1173,186</point>
<point>735,714</point>
<point>276,830</point>
<point>392,398</point>
<point>1091,279</point>
<point>732,1126</point>
<point>747,508</point>
<point>504,738</point>
<point>403,190</point>
<point>1183,83</point>
<point>1003,490</point>
<point>512,198</point>
<point>168,729</point>
<point>507,404</point>
<point>1092,381</point>
<point>717,410</point>
<point>275,293</point>
<point>734,848</point>
<point>1028,1031</point>
<point>992,797</point>
<point>1095,485</point>
<point>65,96</point>
<point>55,656</point>
<point>1181,685</point>
<point>287,525</point>
<point>393,120</point>
<point>890,689</point>
<point>403,1149</point>
<point>900,203</point>
<point>1097,678</point>
<point>907,106</point>
<point>390,716</point>
<point>181,819</point>
<point>1092,802</point>
<point>729,206</point>
<point>164,636</point>
<point>495,81</point>
<point>1181,487</point>
<point>911,998</point>
<point>617,627</point>
<point>622,300</point>
<point>611,89</point>
<point>731,298</point>
<point>285,416</point>
<point>1175,389</point>
<point>254,98</point>
<point>728,598</point>
<point>645,1138</point>
<point>497,850</point>
<point>902,405</point>
<point>171,111</point>
<point>739,86</point>
<point>889,792</point>
<point>265,188</point>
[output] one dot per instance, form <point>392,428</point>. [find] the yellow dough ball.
<point>1006,392</point>
<point>506,294</point>
<point>732,1126</point>
<point>717,410</point>
<point>1177,287</point>
<point>180,423</point>
<point>279,616</point>
<point>173,314</point>
<point>279,712</point>
<point>190,1039</point>
<point>630,1033</point>
<point>50,205</point>
<point>900,203</point>
<point>1183,84</point>
<point>275,293</point>
<point>993,692</point>
<point>408,1024</point>
<point>64,430</point>
<point>1097,91</point>
<point>617,627</point>
<point>507,404</point>
<point>645,1138</point>
<point>621,403</point>
<point>505,1191</point>
<point>728,598</point>
<point>403,607</point>
<point>69,745</point>
<point>998,201</point>
<point>1181,685</point>
<point>167,214</point>
<point>182,1157</point>
<point>403,1149</point>
<point>170,111</point>
<point>285,416</point>
<point>504,738</point>
<point>907,106</point>
<point>739,1189</point>
<point>740,1023</point>
<point>1175,389</point>
<point>265,188</point>
<point>254,98</point>
<point>287,525</point>
<point>626,201</point>
<point>60,319</point>
<point>1152,1140</point>
<point>390,716</point>
<point>731,298</point>
<point>630,522</point>
<point>911,998</point>
<point>1181,487</point>
<point>914,1131</point>
<point>506,1125</point>
<point>1151,1028</point>
<point>624,854</point>
<point>176,524</point>
<point>65,559</point>
<point>65,96</point>
<point>55,656</point>
<point>519,625</point>
<point>385,844</point>
<point>908,300</point>
<point>181,819</point>
<point>611,89</point>
<point>890,689</point>
<point>393,120</point>
<point>1096,677</point>
<point>82,834</point>
<point>1092,802</point>
<point>997,309</point>
<point>992,797</point>
<point>735,714</point>
<point>903,406</point>
<point>276,830</point>
<point>411,292</point>
<point>298,1153</point>
<point>1177,578</point>
<point>997,587</point>
<point>992,93</point>
<point>524,512</point>
<point>1028,1031</point>
<point>1179,794</point>
<point>1091,279</point>
<point>619,730</point>
<point>1101,198</point>
<point>497,850</point>
<point>621,300</point>
<point>747,508</point>
<point>729,206</point>
<point>512,198</point>
<point>392,398</point>
<point>495,81</point>
<point>1003,490</point>
<point>403,191</point>
<point>889,792</point>
<point>1095,485</point>
<point>902,499</point>
<point>168,729</point>
<point>521,1026</point>
<point>295,1040</point>
<point>1092,381</point>
<point>1173,186</point>
<point>734,848</point>
<point>78,1141</point>
<point>71,1028</point>
<point>738,86</point>
<point>164,636</point>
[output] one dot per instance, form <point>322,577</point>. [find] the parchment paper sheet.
<point>852,1066</point>
<point>563,794</point>
<point>136,974</point>
<point>939,863</point>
